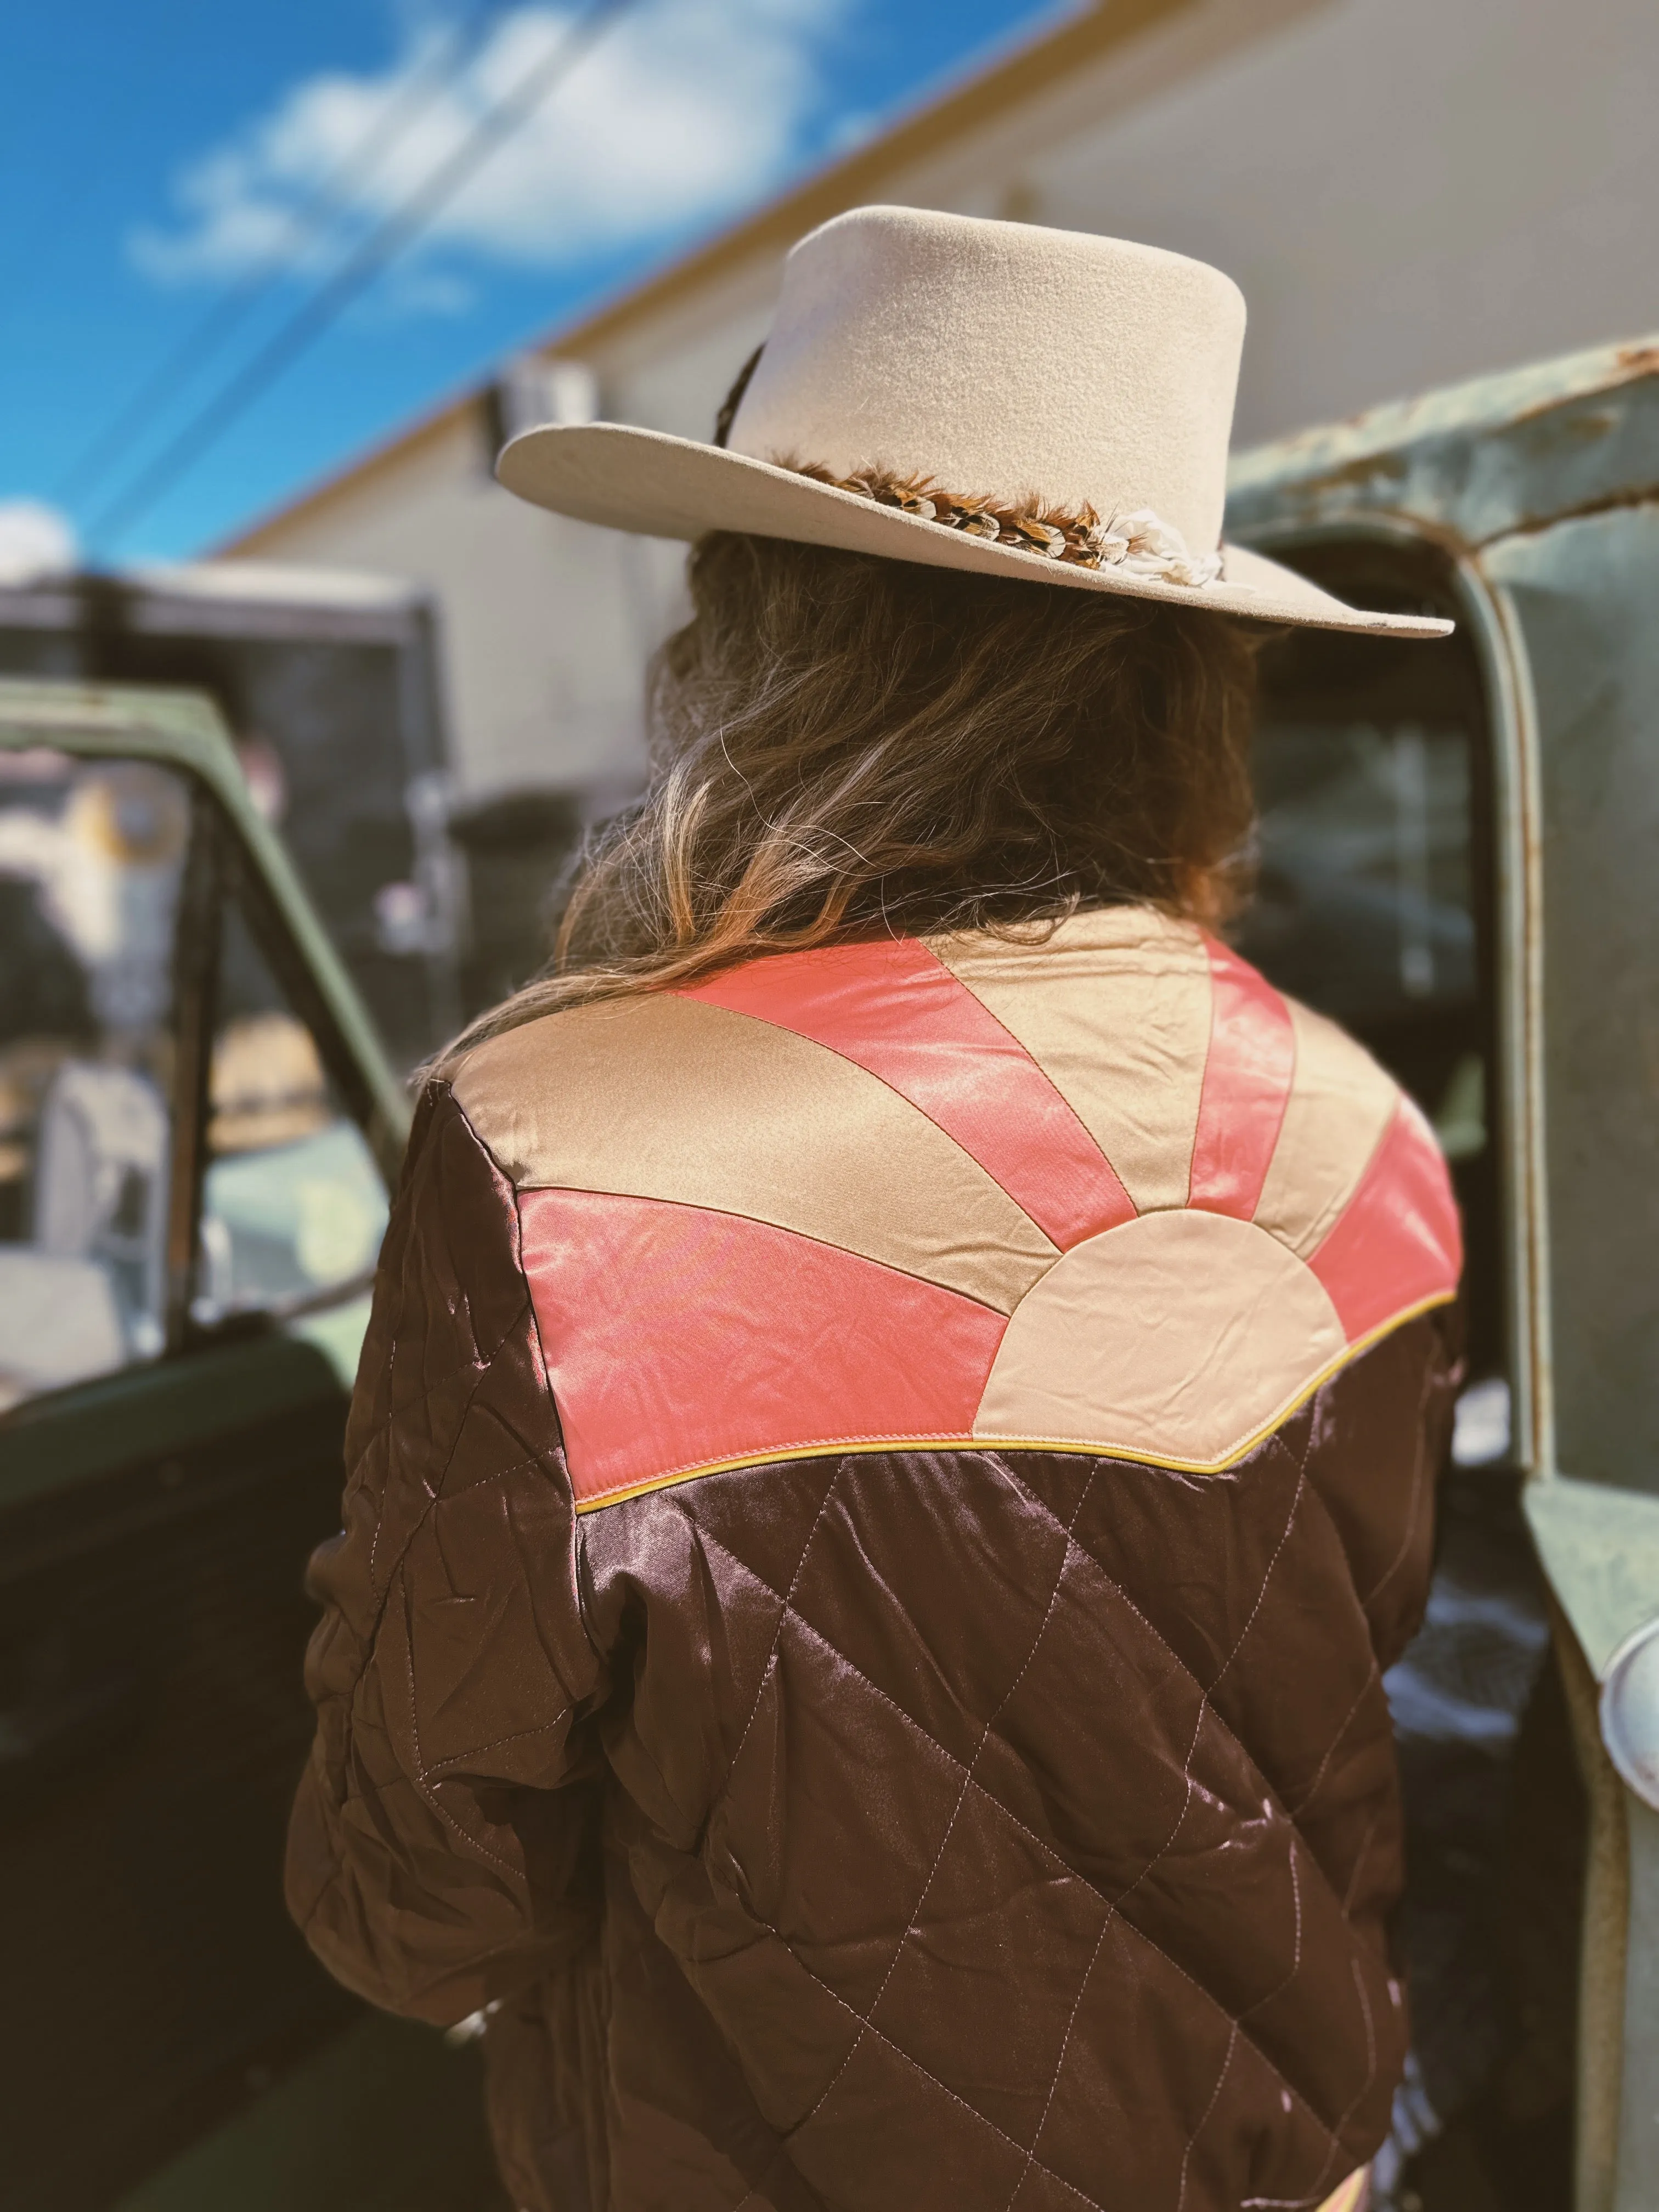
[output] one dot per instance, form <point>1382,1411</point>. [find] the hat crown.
<point>1003,359</point>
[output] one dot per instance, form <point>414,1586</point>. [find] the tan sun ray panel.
<point>1339,1110</point>
<point>673,1099</point>
<point>1115,1008</point>
<point>1180,1336</point>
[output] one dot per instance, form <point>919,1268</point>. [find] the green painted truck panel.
<point>1540,491</point>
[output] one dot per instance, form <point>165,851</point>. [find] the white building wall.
<point>1409,191</point>
<point>541,631</point>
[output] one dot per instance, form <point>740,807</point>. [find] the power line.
<point>387,239</point>
<point>331,198</point>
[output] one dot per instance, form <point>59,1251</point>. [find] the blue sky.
<point>158,158</point>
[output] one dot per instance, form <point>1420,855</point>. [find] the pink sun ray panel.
<point>1247,1080</point>
<point>1398,1241</point>
<point>701,1338</point>
<point>899,1012</point>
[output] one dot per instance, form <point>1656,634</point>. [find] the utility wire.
<point>330,198</point>
<point>388,239</point>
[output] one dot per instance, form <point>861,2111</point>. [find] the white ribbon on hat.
<point>1142,544</point>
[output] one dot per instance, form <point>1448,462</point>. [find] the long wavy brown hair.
<point>845,747</point>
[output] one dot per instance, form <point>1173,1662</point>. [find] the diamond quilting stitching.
<point>1268,1571</point>
<point>1322,2176</point>
<point>868,2026</point>
<point>1313,1789</point>
<point>1301,1463</point>
<point>1044,1507</point>
<point>991,1800</point>
<point>1107,1575</point>
<point>1359,1859</point>
<point>406,1283</point>
<point>423,1780</point>
<point>1031,2159</point>
<point>966,1773</point>
<point>1203,2118</point>
<point>433,1493</point>
<point>783,1602</point>
<point>910,1721</point>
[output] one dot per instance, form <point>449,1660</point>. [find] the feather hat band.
<point>985,396</point>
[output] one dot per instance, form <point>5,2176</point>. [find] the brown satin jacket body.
<point>881,1488</point>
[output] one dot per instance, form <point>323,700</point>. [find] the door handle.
<point>1629,1711</point>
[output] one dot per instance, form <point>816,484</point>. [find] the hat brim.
<point>659,486</point>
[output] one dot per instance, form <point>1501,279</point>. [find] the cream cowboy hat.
<point>986,396</point>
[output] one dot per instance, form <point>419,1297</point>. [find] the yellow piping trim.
<point>838,1446</point>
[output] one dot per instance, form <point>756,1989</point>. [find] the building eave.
<point>850,181</point>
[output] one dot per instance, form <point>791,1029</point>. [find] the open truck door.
<point>1459,860</point>
<point>197,1135</point>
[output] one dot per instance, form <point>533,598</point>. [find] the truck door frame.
<point>1484,611</point>
<point>1597,1546</point>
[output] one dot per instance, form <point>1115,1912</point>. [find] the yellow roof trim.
<point>850,182</point>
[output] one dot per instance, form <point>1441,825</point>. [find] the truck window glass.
<point>326,684</point>
<point>1373,899</point>
<point>92,855</point>
<point>293,1204</point>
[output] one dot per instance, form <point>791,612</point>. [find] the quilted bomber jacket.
<point>881,1490</point>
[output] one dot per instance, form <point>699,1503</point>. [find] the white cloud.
<point>35,541</point>
<point>685,109</point>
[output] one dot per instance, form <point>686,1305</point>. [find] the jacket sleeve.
<point>443,1848</point>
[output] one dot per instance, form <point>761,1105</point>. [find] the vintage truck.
<point>1459,858</point>
<point>1502,792</point>
<point>198,1129</point>
<point>328,680</point>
